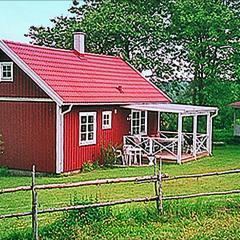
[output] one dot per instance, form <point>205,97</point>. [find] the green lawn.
<point>204,218</point>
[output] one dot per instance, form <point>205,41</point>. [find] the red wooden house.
<point>58,107</point>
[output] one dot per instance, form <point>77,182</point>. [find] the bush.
<point>223,135</point>
<point>108,156</point>
<point>4,172</point>
<point>90,166</point>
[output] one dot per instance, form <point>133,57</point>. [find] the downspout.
<point>211,133</point>
<point>68,110</point>
<point>215,114</point>
<point>60,137</point>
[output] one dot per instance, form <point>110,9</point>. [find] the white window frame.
<point>109,125</point>
<point>140,120</point>
<point>88,142</point>
<point>6,79</point>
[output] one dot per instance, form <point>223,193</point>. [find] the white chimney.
<point>79,42</point>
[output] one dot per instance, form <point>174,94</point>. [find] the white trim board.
<point>121,104</point>
<point>24,99</point>
<point>173,108</point>
<point>59,140</point>
<point>43,85</point>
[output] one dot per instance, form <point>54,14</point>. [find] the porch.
<point>172,146</point>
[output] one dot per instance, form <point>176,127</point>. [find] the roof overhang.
<point>186,110</point>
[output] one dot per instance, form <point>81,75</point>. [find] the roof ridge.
<point>59,49</point>
<point>37,46</point>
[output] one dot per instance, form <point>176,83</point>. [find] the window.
<point>106,120</point>
<point>6,71</point>
<point>87,128</point>
<point>139,122</point>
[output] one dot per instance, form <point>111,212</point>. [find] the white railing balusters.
<point>167,142</point>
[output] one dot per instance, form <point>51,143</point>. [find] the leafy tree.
<point>193,45</point>
<point>205,35</point>
<point>132,29</point>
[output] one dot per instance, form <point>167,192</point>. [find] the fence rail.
<point>157,179</point>
<point>80,184</point>
<point>142,179</point>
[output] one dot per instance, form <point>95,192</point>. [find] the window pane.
<point>5,74</point>
<point>90,127</point>
<point>83,119</point>
<point>142,128</point>
<point>83,137</point>
<point>143,114</point>
<point>135,115</point>
<point>83,128</point>
<point>90,136</point>
<point>90,119</point>
<point>135,130</point>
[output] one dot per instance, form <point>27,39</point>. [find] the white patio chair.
<point>132,155</point>
<point>119,154</point>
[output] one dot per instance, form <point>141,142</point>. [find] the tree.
<point>193,45</point>
<point>207,34</point>
<point>132,29</point>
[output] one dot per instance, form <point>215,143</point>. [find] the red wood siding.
<point>28,131</point>
<point>75,155</point>
<point>22,86</point>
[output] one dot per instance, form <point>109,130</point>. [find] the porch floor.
<point>167,157</point>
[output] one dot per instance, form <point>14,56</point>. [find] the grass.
<point>203,218</point>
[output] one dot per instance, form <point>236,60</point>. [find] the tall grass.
<point>144,222</point>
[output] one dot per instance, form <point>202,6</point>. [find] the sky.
<point>17,16</point>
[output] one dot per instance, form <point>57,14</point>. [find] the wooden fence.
<point>157,179</point>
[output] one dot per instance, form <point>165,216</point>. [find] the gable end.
<point>21,64</point>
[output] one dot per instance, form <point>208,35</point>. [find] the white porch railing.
<point>152,145</point>
<point>167,143</point>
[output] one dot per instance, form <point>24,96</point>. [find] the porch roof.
<point>173,108</point>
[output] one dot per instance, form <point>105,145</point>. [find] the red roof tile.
<point>87,78</point>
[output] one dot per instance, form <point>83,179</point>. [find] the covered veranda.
<point>172,146</point>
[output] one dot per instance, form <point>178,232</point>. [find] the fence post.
<point>160,192</point>
<point>34,205</point>
<point>156,184</point>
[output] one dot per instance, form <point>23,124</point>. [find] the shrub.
<point>108,156</point>
<point>4,172</point>
<point>89,166</point>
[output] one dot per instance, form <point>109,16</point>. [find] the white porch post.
<point>234,123</point>
<point>209,133</point>
<point>179,149</point>
<point>195,122</point>
<point>159,121</point>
